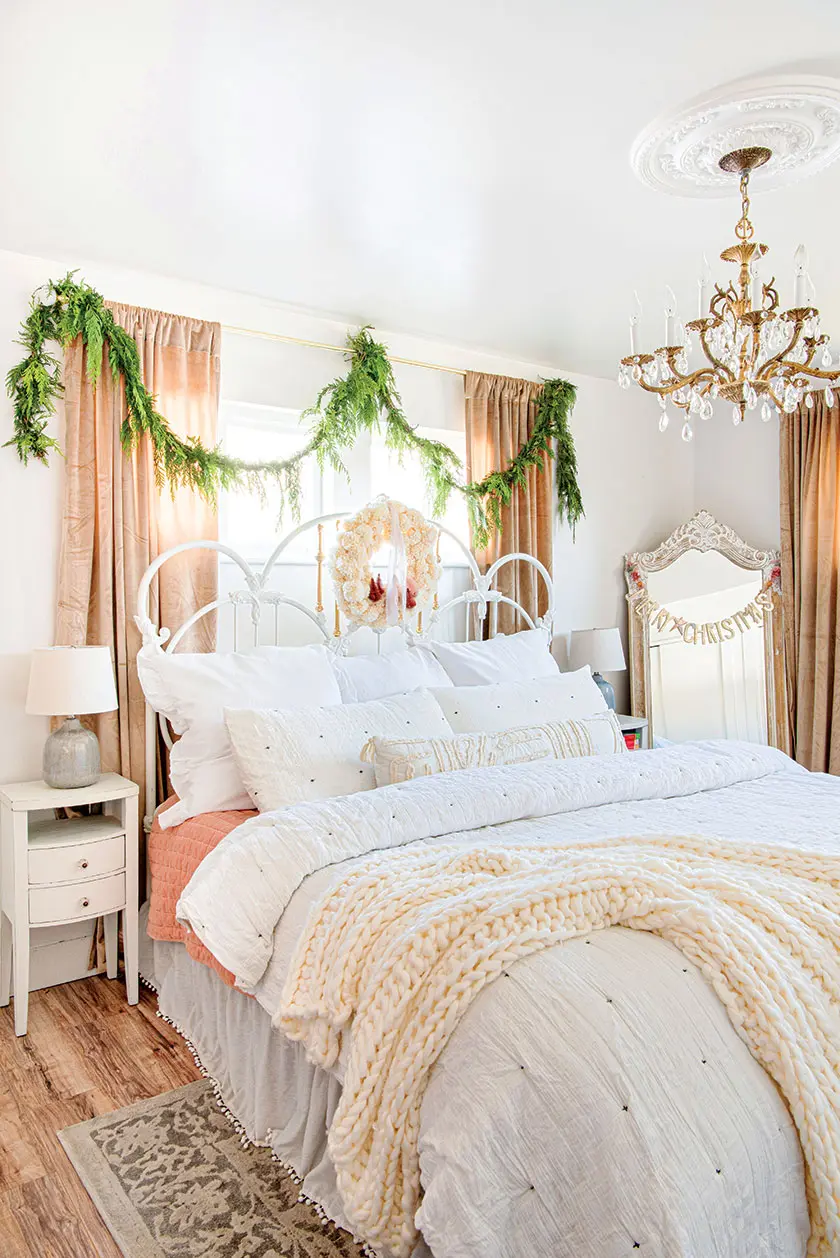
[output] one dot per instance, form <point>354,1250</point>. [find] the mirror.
<point>705,637</point>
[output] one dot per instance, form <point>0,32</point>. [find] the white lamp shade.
<point>71,680</point>
<point>601,649</point>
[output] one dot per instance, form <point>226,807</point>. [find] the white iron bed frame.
<point>260,597</point>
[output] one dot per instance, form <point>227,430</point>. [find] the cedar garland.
<point>362,400</point>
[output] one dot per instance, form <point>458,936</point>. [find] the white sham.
<point>290,757</point>
<point>193,690</point>
<point>561,697</point>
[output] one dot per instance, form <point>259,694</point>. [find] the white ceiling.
<point>457,169</point>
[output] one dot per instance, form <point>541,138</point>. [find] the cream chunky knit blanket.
<point>402,946</point>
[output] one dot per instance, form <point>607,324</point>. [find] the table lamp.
<point>64,681</point>
<point>601,649</point>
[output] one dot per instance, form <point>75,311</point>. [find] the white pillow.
<point>566,696</point>
<point>289,757</point>
<point>400,759</point>
<point>365,677</point>
<point>193,692</point>
<point>507,657</point>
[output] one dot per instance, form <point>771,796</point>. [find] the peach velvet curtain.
<point>116,521</point>
<point>810,527</point>
<point>500,414</point>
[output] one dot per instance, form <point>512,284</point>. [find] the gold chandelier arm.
<point>725,296</point>
<point>702,374</point>
<point>815,373</point>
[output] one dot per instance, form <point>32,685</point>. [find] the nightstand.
<point>53,872</point>
<point>635,725</point>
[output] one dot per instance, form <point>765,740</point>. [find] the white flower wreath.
<point>362,596</point>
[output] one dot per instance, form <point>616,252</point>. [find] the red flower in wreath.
<point>377,589</point>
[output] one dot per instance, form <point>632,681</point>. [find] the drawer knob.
<point>83,864</point>
<point>85,902</point>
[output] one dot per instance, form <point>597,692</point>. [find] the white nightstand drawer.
<point>75,861</point>
<point>79,899</point>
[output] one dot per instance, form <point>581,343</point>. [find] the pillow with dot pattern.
<point>563,697</point>
<point>401,759</point>
<point>291,756</point>
<point>506,657</point>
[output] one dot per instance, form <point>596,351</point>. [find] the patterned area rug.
<point>170,1178</point>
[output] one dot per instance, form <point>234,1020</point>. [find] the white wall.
<point>636,485</point>
<point>736,475</point>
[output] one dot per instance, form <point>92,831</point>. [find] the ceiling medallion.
<point>755,354</point>
<point>797,117</point>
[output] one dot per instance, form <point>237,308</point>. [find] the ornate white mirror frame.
<point>704,533</point>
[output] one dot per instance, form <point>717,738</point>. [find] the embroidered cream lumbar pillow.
<point>399,759</point>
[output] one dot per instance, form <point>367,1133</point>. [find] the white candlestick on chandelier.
<point>703,284</point>
<point>800,274</point>
<point>670,316</point>
<point>756,287</point>
<point>634,323</point>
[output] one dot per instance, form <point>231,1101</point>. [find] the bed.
<point>593,1098</point>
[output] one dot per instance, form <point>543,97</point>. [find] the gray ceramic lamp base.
<point>71,756</point>
<point>606,690</point>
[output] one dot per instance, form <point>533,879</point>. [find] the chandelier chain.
<point>744,228</point>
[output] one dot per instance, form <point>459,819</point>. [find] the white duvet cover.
<point>562,1119</point>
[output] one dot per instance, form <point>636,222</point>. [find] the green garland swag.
<point>361,401</point>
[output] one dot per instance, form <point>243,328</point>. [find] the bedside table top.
<point>631,722</point>
<point>27,796</point>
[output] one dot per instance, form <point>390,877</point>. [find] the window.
<point>253,527</point>
<point>404,481</point>
<point>248,524</point>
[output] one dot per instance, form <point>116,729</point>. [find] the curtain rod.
<point>337,349</point>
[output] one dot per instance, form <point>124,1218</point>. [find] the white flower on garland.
<point>374,598</point>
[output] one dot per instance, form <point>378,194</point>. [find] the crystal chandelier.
<point>756,355</point>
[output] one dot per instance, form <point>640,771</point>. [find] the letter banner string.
<point>713,632</point>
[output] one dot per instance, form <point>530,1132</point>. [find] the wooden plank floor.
<point>87,1053</point>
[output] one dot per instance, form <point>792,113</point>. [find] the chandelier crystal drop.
<point>756,355</point>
